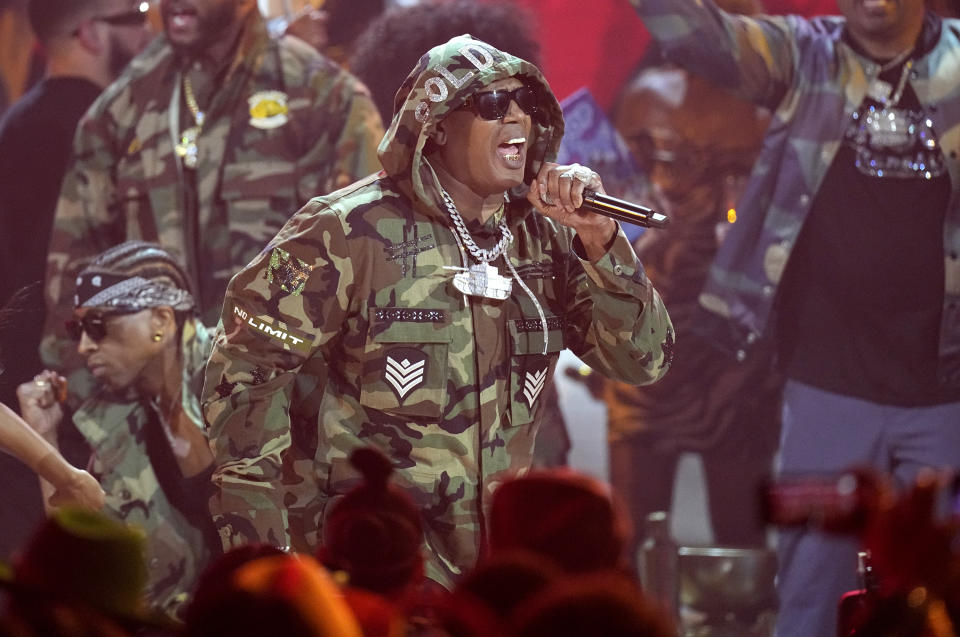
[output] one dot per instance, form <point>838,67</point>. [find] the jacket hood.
<point>440,83</point>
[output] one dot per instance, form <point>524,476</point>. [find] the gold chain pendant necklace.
<point>186,149</point>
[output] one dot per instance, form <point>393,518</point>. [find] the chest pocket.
<point>530,369</point>
<point>131,203</point>
<point>405,362</point>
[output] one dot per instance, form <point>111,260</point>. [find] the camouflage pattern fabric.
<point>283,125</point>
<point>813,80</point>
<point>114,429</point>
<point>450,387</point>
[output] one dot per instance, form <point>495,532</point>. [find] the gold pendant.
<point>482,279</point>
<point>186,149</point>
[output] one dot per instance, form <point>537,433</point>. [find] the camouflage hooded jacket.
<point>283,125</point>
<point>806,72</point>
<point>115,429</point>
<point>448,386</point>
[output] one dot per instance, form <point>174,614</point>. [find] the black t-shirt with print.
<point>860,304</point>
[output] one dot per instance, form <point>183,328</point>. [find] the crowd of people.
<point>283,305</point>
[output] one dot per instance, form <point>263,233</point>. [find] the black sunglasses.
<point>94,325</point>
<point>495,104</point>
<point>134,18</point>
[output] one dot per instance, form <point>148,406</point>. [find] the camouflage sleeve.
<point>269,330</point>
<point>85,223</point>
<point>620,326</point>
<point>754,57</point>
<point>343,103</point>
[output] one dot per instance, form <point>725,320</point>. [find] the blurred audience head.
<point>565,516</point>
<point>393,43</point>
<point>215,580</point>
<point>91,38</point>
<point>131,305</point>
<point>597,604</point>
<point>505,581</point>
<point>376,615</point>
<point>81,573</point>
<point>345,21</point>
<point>373,533</point>
<point>290,595</point>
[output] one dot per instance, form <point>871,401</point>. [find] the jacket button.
<point>741,355</point>
<point>618,269</point>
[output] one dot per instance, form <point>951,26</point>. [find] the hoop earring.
<point>157,336</point>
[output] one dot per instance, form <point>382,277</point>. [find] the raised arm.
<point>754,57</point>
<point>33,442</point>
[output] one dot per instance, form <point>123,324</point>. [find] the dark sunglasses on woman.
<point>495,104</point>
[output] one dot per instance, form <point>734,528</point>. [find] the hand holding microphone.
<point>558,187</point>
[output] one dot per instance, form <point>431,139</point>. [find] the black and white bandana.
<point>98,289</point>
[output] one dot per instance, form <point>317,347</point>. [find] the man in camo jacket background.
<point>205,144</point>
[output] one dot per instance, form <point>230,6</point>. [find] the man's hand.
<point>557,192</point>
<point>40,403</point>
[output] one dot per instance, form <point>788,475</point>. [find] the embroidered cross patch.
<point>405,370</point>
<point>409,249</point>
<point>533,384</point>
<point>287,271</point>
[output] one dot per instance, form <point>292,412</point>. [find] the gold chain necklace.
<point>187,149</point>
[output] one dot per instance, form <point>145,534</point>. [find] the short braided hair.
<point>144,259</point>
<point>147,260</point>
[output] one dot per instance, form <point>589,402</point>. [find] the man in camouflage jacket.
<point>449,386</point>
<point>178,549</point>
<point>279,124</point>
<point>116,425</point>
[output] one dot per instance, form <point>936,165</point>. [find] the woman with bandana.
<point>135,325</point>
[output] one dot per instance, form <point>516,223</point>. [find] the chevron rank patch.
<point>533,383</point>
<point>405,369</point>
<point>287,271</point>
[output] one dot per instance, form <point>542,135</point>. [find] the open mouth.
<point>180,17</point>
<point>512,149</point>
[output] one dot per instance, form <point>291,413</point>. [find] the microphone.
<point>624,210</point>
